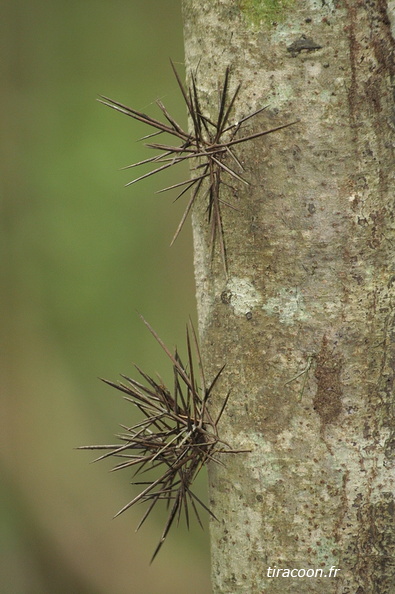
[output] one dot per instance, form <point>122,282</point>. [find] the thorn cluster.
<point>177,436</point>
<point>210,143</point>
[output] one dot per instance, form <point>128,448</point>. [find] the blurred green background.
<point>80,255</point>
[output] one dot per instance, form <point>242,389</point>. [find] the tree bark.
<point>304,320</point>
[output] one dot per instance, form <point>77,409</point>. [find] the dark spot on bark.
<point>297,153</point>
<point>311,208</point>
<point>303,43</point>
<point>226,296</point>
<point>327,400</point>
<point>358,278</point>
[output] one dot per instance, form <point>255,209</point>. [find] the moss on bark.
<point>257,12</point>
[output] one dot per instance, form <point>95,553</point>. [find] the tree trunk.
<point>304,320</point>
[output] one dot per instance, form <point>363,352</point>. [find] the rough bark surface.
<point>310,289</point>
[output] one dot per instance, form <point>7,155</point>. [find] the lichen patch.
<point>242,295</point>
<point>288,305</point>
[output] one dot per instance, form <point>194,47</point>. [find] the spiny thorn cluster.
<point>210,143</point>
<point>176,437</point>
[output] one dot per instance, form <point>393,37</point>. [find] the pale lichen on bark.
<point>311,260</point>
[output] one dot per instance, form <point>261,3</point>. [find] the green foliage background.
<point>80,255</point>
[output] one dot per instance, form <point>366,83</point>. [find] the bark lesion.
<point>327,401</point>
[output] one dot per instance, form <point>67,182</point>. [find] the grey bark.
<point>305,319</point>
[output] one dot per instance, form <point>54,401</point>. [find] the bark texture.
<point>305,319</point>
